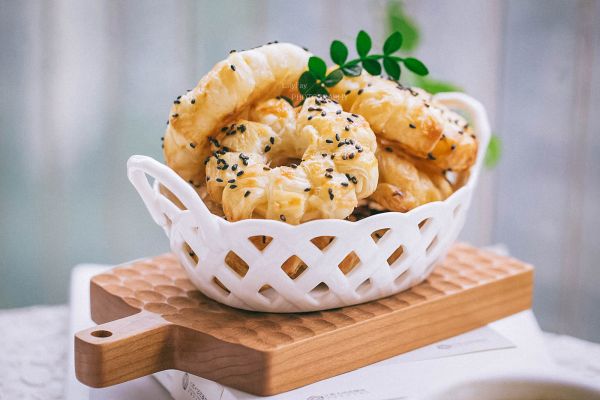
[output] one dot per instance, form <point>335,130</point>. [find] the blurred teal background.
<point>86,84</point>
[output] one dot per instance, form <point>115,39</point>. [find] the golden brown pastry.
<point>335,163</point>
<point>225,93</point>
<point>405,182</point>
<point>410,118</point>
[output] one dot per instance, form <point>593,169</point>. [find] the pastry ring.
<point>227,91</point>
<point>334,151</point>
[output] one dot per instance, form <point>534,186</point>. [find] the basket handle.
<point>476,112</point>
<point>140,167</point>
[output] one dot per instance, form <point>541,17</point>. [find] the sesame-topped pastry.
<point>336,165</point>
<point>226,92</point>
<point>409,117</point>
<point>406,182</point>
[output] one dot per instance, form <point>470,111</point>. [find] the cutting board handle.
<point>122,350</point>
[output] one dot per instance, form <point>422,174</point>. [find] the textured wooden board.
<point>153,319</point>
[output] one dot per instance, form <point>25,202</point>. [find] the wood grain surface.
<point>152,318</point>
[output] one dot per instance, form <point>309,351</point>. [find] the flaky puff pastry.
<point>224,94</point>
<point>336,165</point>
<point>406,182</point>
<point>411,118</point>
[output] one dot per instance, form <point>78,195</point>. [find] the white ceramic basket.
<point>322,285</point>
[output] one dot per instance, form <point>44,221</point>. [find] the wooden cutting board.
<point>152,318</point>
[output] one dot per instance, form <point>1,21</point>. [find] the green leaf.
<point>397,20</point>
<point>333,78</point>
<point>308,86</point>
<point>338,52</point>
<point>392,43</point>
<point>306,81</point>
<point>363,43</point>
<point>392,68</point>
<point>494,152</point>
<point>318,90</point>
<point>371,66</point>
<point>351,69</point>
<point>318,67</point>
<point>434,86</point>
<point>415,66</point>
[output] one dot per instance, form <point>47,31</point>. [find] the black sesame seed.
<point>430,156</point>
<point>331,196</point>
<point>272,140</point>
<point>338,112</point>
<point>282,217</point>
<point>231,181</point>
<point>347,128</point>
<point>162,139</point>
<point>307,189</point>
<point>355,115</point>
<point>266,169</point>
<point>348,92</point>
<point>337,137</point>
<point>232,186</point>
<point>223,129</point>
<point>328,141</point>
<point>413,126</point>
<point>345,184</point>
<point>389,149</point>
<point>175,115</point>
<point>323,114</point>
<point>193,101</point>
<point>351,156</point>
<point>193,145</point>
<point>177,102</point>
<point>219,180</point>
<point>349,120</point>
<point>453,147</point>
<point>360,92</point>
<point>234,167</point>
<point>323,154</point>
<point>232,67</point>
<point>329,169</point>
<point>240,173</point>
<point>309,117</point>
<point>247,193</point>
<point>207,178</point>
<point>267,148</point>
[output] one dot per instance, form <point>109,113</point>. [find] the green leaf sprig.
<point>316,80</point>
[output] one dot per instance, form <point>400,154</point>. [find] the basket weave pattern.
<point>395,251</point>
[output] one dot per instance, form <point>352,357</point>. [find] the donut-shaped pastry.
<point>225,93</point>
<point>406,182</point>
<point>317,166</point>
<point>409,117</point>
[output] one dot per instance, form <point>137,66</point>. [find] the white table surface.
<point>36,346</point>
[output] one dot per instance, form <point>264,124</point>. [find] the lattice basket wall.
<point>240,263</point>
